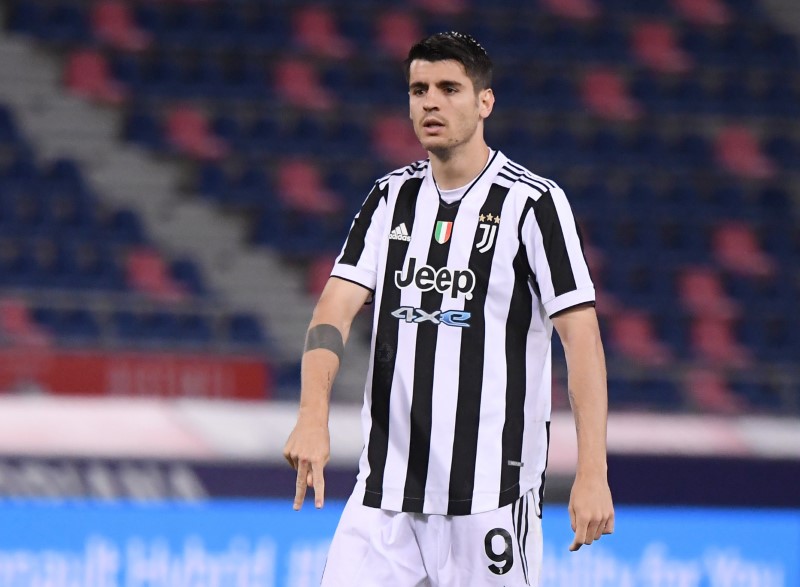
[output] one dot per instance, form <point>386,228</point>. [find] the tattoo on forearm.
<point>325,336</point>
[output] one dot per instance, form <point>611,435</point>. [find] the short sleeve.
<point>358,260</point>
<point>555,253</point>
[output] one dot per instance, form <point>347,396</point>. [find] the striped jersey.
<point>457,398</point>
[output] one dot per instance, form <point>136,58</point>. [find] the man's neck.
<point>455,170</point>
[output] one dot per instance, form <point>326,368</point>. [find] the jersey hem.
<point>569,299</point>
<point>365,279</point>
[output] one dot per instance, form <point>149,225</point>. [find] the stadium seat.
<point>633,336</point>
<point>245,329</point>
<point>87,75</point>
<point>703,12</point>
<point>448,8</point>
<point>656,46</point>
<point>713,340</point>
<point>185,272</point>
<point>299,84</point>
<point>701,293</point>
<point>17,325</point>
<point>736,249</point>
<point>709,392</point>
<point>605,94</point>
<point>188,130</point>
<point>300,186</point>
<point>318,272</point>
<point>396,31</point>
<point>738,152</point>
<point>113,23</point>
<point>573,9</point>
<point>394,141</point>
<point>315,30</point>
<point>148,273</point>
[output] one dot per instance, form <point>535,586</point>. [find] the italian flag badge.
<point>442,232</point>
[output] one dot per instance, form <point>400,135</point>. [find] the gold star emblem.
<point>489,217</point>
<point>483,218</point>
<point>497,220</point>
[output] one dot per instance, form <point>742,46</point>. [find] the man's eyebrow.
<point>448,83</point>
<point>440,84</point>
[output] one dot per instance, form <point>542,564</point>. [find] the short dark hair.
<point>457,47</point>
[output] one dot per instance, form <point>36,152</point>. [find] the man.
<point>471,260</point>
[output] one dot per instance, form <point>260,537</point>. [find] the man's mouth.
<point>432,123</point>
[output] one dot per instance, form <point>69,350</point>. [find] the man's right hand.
<point>308,450</point>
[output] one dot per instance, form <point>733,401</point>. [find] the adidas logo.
<point>400,233</point>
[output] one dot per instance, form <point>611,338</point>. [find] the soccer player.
<point>470,260</point>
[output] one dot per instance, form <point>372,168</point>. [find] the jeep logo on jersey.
<point>442,280</point>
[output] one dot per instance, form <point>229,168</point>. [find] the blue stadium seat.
<point>245,329</point>
<point>125,227</point>
<point>194,329</point>
<point>78,327</point>
<point>188,274</point>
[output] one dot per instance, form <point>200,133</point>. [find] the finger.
<point>593,532</point>
<point>310,478</point>
<point>601,529</point>
<point>300,485</point>
<point>290,460</point>
<point>572,519</point>
<point>319,485</point>
<point>609,527</point>
<point>580,536</point>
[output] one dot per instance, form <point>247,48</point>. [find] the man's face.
<point>444,107</point>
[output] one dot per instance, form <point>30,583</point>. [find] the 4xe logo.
<point>409,314</point>
<point>442,280</point>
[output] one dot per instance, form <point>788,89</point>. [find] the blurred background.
<point>177,176</point>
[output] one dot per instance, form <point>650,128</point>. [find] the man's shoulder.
<point>530,183</point>
<point>416,169</point>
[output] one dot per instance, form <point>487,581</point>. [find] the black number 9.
<point>506,557</point>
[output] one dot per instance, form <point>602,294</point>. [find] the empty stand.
<point>672,126</point>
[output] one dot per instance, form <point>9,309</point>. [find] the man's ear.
<point>485,102</point>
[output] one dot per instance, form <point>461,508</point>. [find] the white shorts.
<point>373,547</point>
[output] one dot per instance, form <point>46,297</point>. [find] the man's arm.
<point>590,507</point>
<point>308,446</point>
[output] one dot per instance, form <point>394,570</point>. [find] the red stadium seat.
<point>709,392</point>
<point>17,326</point>
<point>701,293</point>
<point>604,93</point>
<point>655,45</point>
<point>712,340</point>
<point>703,12</point>
<point>633,336</point>
<point>299,84</point>
<point>395,142</point>
<point>738,151</point>
<point>319,270</point>
<point>189,131</point>
<point>87,75</point>
<point>443,7</point>
<point>396,31</point>
<point>574,9</point>
<point>737,249</point>
<point>301,188</point>
<point>113,24</point>
<point>315,29</point>
<point>148,273</point>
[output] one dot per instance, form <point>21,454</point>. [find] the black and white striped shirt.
<point>457,398</point>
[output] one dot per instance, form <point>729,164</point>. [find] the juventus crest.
<point>488,227</point>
